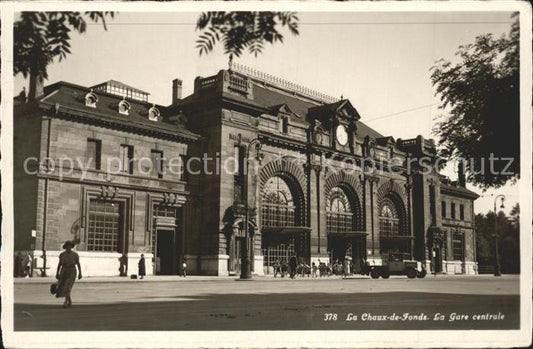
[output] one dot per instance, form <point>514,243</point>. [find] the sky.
<point>379,61</point>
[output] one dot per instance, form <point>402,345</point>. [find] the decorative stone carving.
<point>108,192</point>
<point>172,199</point>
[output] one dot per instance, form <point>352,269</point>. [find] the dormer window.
<point>91,99</point>
<point>124,107</point>
<point>153,114</point>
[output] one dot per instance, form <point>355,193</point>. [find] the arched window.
<point>340,217</point>
<point>277,204</point>
<point>389,220</point>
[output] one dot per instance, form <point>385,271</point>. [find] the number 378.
<point>330,316</point>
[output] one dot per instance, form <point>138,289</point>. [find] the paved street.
<point>203,303</point>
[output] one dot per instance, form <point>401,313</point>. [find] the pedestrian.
<point>123,260</point>
<point>346,268</point>
<point>301,269</point>
<point>142,267</point>
<point>277,267</point>
<point>314,269</point>
<point>293,263</point>
<point>17,265</point>
<point>184,268</point>
<point>26,261</point>
<point>284,268</point>
<point>66,272</point>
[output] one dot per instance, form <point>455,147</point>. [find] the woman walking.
<point>142,267</point>
<point>66,272</point>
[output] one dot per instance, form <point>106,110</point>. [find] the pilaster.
<point>373,212</point>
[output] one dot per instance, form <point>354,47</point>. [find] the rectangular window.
<point>445,243</point>
<point>452,209</point>
<point>157,163</point>
<point>457,245</point>
<point>104,232</point>
<point>462,212</point>
<point>126,158</point>
<point>94,153</point>
<point>443,209</point>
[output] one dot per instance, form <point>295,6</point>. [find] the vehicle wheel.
<point>411,273</point>
<point>374,274</point>
<point>421,274</point>
<point>385,274</point>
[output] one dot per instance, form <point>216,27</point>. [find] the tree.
<point>484,239</point>
<point>515,214</point>
<point>40,37</point>
<point>239,31</point>
<point>509,241</point>
<point>481,95</point>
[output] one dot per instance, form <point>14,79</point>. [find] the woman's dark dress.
<point>142,267</point>
<point>67,276</point>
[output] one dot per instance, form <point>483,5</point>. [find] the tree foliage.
<point>480,94</point>
<point>40,37</point>
<point>239,31</point>
<point>508,230</point>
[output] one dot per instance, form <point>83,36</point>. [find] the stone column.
<point>321,211</point>
<point>373,212</point>
<point>312,207</point>
<point>408,186</point>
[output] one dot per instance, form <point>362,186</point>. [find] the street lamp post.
<point>246,272</point>
<point>497,271</point>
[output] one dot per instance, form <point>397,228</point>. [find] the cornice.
<point>60,111</point>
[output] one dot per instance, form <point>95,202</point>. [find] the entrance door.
<point>337,246</point>
<point>277,247</point>
<point>166,252</point>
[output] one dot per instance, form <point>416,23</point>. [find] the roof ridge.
<point>282,83</point>
<point>113,81</point>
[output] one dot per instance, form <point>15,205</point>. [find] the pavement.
<point>169,303</point>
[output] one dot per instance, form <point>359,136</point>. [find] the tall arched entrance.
<point>283,233</point>
<point>393,234</point>
<point>344,225</point>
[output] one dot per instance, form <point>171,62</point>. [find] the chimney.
<point>176,91</point>
<point>461,178</point>
<point>36,87</point>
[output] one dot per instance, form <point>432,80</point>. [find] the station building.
<point>171,182</point>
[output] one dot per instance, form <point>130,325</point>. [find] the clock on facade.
<point>342,135</point>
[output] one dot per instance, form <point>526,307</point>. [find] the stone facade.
<point>321,186</point>
<point>53,197</point>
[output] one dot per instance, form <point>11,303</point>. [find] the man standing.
<point>292,265</point>
<point>142,267</point>
<point>277,268</point>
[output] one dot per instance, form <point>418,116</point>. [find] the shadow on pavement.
<point>291,311</point>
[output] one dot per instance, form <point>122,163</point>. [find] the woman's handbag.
<point>53,288</point>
